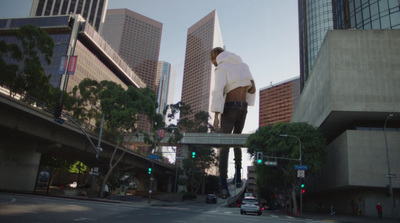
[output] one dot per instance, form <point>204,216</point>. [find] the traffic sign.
<point>271,163</point>
<point>390,175</point>
<point>301,173</point>
<point>300,167</point>
<point>154,157</point>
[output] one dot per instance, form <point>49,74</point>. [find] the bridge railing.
<point>92,130</point>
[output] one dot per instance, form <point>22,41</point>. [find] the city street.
<point>41,209</point>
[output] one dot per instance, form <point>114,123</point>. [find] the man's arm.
<point>252,89</point>
<point>216,121</point>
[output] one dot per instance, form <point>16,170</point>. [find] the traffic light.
<point>58,110</point>
<point>302,188</point>
<point>259,157</point>
<point>193,155</point>
<point>149,168</point>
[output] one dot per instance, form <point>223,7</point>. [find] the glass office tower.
<point>315,19</point>
<point>166,85</point>
<point>372,14</point>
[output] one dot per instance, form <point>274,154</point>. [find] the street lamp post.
<point>301,192</point>
<point>388,167</point>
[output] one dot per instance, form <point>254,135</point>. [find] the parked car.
<point>250,205</point>
<point>211,198</point>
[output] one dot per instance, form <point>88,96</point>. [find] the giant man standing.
<point>233,91</point>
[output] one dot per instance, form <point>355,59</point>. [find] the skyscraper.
<point>374,14</point>
<point>137,40</point>
<point>166,85</point>
<point>93,11</point>
<point>278,101</point>
<point>316,17</point>
<point>198,70</point>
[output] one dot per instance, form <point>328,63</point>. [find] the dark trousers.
<point>232,121</point>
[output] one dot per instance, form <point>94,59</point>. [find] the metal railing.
<point>37,104</point>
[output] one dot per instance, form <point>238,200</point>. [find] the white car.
<point>250,205</point>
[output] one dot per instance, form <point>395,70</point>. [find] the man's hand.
<point>252,89</point>
<point>216,122</point>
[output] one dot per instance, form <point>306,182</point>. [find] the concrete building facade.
<point>316,17</point>
<point>351,91</point>
<point>278,101</point>
<point>251,180</point>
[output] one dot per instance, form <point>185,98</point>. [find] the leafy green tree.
<point>122,109</point>
<point>22,71</point>
<point>283,177</point>
<point>193,169</point>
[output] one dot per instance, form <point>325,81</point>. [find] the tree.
<point>283,177</point>
<point>193,169</point>
<point>91,99</point>
<point>22,71</point>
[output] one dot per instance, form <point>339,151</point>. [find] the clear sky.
<point>263,32</point>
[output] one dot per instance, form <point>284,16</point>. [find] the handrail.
<point>38,104</point>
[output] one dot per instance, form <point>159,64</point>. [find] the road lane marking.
<point>84,219</point>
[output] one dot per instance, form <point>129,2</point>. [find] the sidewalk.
<point>171,199</point>
<point>341,218</point>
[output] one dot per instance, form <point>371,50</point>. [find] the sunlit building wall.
<point>198,69</point>
<point>137,40</point>
<point>278,101</point>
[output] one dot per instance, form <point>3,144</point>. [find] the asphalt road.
<point>41,209</point>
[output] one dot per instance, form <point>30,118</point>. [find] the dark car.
<point>211,198</point>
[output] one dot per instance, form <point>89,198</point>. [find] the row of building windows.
<point>91,9</point>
